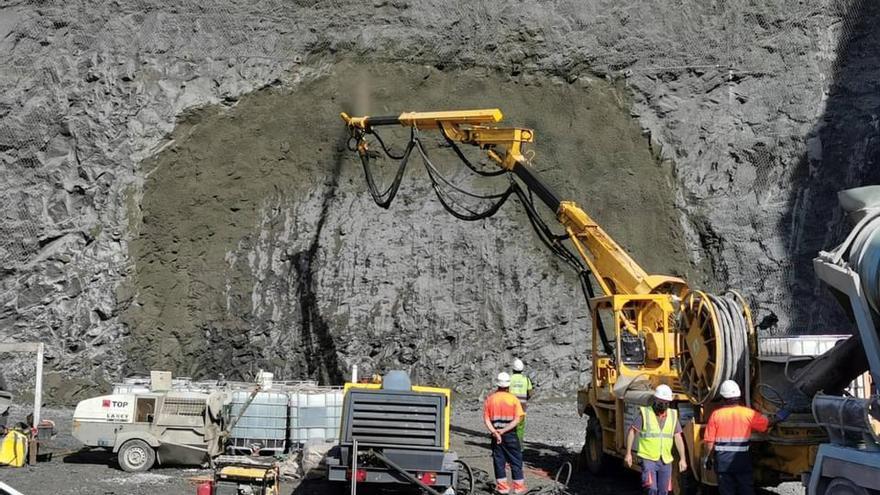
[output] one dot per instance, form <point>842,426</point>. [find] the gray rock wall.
<point>748,102</point>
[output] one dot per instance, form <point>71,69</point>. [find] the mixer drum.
<point>849,421</point>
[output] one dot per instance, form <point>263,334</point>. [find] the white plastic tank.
<point>315,415</point>
<point>263,424</point>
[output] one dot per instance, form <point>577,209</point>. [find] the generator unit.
<point>394,433</point>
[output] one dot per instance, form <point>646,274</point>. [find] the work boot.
<point>502,487</point>
<point>519,487</point>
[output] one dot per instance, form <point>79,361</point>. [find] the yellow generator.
<point>237,475</point>
<point>395,433</point>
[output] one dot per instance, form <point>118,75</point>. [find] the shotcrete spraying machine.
<point>647,329</point>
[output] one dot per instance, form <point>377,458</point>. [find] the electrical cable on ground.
<point>470,476</point>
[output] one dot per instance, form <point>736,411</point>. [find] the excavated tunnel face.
<point>257,245</point>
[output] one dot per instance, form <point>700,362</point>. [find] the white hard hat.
<point>730,390</point>
<point>503,379</point>
<point>518,365</point>
<point>663,392</point>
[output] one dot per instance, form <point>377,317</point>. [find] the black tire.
<point>843,486</point>
<point>136,456</point>
<point>593,454</point>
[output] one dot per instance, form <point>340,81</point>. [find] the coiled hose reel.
<point>864,257</point>
<point>714,343</point>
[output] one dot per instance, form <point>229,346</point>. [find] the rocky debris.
<point>763,111</point>
<point>140,479</point>
<point>313,456</point>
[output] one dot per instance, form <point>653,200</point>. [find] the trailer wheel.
<point>136,456</point>
<point>593,453</point>
<point>843,486</point>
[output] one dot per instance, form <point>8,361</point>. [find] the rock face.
<point>260,246</point>
<point>760,112</point>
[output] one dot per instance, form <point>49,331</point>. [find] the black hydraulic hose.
<point>534,183</point>
<point>382,120</point>
<point>473,215</point>
<point>547,237</point>
<point>457,150</point>
<point>385,148</point>
<point>388,462</point>
<point>600,326</point>
<point>544,232</point>
<point>447,201</point>
<point>386,197</point>
<point>471,481</point>
<point>432,169</point>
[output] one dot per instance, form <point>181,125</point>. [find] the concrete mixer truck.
<point>849,463</point>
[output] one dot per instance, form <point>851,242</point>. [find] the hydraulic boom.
<point>615,270</point>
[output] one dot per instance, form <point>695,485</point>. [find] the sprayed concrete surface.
<point>257,245</point>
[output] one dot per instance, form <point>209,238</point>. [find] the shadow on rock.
<point>843,151</point>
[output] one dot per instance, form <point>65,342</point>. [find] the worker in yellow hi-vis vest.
<point>658,428</point>
<point>521,386</point>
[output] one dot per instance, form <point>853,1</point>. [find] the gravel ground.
<point>554,435</point>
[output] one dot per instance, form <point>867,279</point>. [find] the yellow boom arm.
<point>613,268</point>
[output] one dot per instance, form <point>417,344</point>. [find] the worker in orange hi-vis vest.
<point>727,441</point>
<point>501,413</point>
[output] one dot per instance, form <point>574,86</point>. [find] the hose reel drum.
<point>714,343</point>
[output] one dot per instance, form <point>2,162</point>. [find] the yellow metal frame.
<point>646,314</point>
<point>447,410</point>
<point>425,120</point>
<point>245,472</point>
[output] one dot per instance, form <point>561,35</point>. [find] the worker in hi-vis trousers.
<point>658,429</point>
<point>521,386</point>
<point>501,413</point>
<point>727,440</point>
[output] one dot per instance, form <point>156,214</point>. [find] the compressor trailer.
<point>395,433</point>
